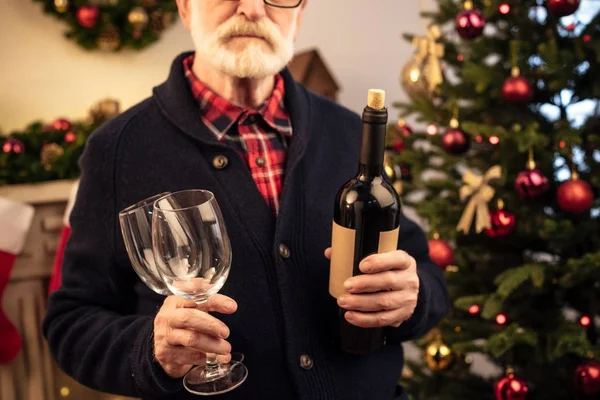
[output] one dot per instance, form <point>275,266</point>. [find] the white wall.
<point>43,75</point>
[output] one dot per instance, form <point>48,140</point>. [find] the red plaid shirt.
<point>260,136</point>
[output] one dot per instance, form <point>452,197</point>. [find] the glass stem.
<point>212,362</point>
<point>212,366</point>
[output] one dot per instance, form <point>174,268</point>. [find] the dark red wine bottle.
<point>366,221</point>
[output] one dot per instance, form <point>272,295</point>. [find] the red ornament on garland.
<point>575,196</point>
<point>12,145</point>
<point>62,125</point>
<point>440,252</point>
<point>531,183</point>
<point>70,137</point>
<point>562,8</point>
<point>470,23</point>
<point>517,89</point>
<point>502,222</point>
<point>510,388</point>
<point>587,378</point>
<point>88,16</point>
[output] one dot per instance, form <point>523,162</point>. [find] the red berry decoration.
<point>502,222</point>
<point>511,388</point>
<point>562,8</point>
<point>517,89</point>
<point>88,16</point>
<point>440,252</point>
<point>587,379</point>
<point>455,141</point>
<point>470,24</point>
<point>575,196</point>
<point>61,125</point>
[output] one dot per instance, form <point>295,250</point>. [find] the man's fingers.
<point>381,301</point>
<point>328,253</point>
<point>386,261</point>
<point>369,283</point>
<point>198,342</point>
<point>180,356</point>
<point>219,303</point>
<point>199,321</point>
<point>178,302</point>
<point>377,319</point>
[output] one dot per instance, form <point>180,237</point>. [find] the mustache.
<point>240,26</point>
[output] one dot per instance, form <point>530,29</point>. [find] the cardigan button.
<point>220,162</point>
<point>284,251</point>
<point>306,362</point>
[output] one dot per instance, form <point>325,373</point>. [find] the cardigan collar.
<point>175,100</point>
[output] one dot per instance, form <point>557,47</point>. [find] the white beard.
<point>255,60</point>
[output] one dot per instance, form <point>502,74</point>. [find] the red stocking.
<point>15,220</point>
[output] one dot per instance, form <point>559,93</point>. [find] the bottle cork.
<point>376,99</point>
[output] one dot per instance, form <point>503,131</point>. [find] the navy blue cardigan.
<point>99,324</point>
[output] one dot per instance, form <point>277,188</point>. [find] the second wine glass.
<point>193,256</point>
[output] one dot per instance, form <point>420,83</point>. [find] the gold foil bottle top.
<point>376,99</point>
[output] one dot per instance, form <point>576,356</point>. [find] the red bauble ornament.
<point>517,89</point>
<point>61,125</point>
<point>70,137</point>
<point>456,141</point>
<point>587,378</point>
<point>575,196</point>
<point>12,145</point>
<point>470,24</point>
<point>405,175</point>
<point>87,16</point>
<point>503,223</point>
<point>398,146</point>
<point>441,253</point>
<point>531,184</point>
<point>404,128</point>
<point>511,388</point>
<point>562,8</point>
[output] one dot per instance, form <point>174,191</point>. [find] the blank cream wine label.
<point>342,254</point>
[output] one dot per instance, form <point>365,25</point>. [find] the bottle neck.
<point>370,170</point>
<point>373,142</point>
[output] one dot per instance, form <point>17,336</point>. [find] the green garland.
<point>113,25</point>
<point>48,152</point>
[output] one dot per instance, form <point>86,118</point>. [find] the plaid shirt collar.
<point>220,114</point>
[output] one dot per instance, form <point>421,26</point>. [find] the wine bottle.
<point>366,221</point>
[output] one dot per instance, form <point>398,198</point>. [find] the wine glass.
<point>193,256</point>
<point>136,227</point>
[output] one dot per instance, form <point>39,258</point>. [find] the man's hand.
<point>386,295</point>
<point>183,334</point>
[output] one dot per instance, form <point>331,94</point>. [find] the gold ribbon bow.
<point>430,51</point>
<point>481,194</point>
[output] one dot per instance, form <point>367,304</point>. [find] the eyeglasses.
<point>281,3</point>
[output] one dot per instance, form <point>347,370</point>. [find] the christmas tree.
<point>506,176</point>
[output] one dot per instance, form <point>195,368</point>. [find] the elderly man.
<point>230,119</point>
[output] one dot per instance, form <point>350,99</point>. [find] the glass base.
<point>237,357</point>
<point>224,378</point>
